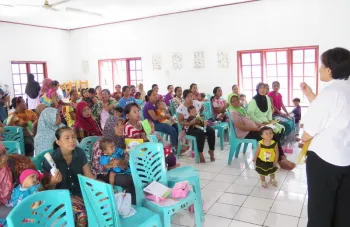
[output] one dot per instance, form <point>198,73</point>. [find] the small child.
<point>118,111</point>
<point>50,98</point>
<point>29,184</point>
<point>243,101</point>
<point>266,157</point>
<point>200,122</point>
<point>162,111</point>
<point>137,95</point>
<point>296,113</point>
<point>202,97</point>
<point>110,153</point>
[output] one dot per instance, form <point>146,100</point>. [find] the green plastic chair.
<point>54,209</point>
<point>14,133</point>
<point>12,147</point>
<point>147,164</point>
<point>39,159</point>
<point>220,126</point>
<point>172,108</point>
<point>87,144</point>
<point>102,210</point>
<point>236,142</point>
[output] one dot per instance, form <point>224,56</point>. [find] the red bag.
<point>6,184</point>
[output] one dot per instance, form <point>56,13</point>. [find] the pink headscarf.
<point>46,86</point>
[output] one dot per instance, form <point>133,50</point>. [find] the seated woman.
<point>200,135</point>
<point>84,124</point>
<point>219,105</point>
<point>149,113</point>
<point>49,121</point>
<point>177,100</point>
<point>38,111</point>
<point>70,161</point>
<point>247,129</point>
<point>25,118</point>
<point>103,108</point>
<point>69,110</point>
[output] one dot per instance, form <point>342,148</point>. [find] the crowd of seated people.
<point>60,123</point>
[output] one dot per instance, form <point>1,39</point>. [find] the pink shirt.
<point>276,99</point>
<point>238,118</point>
<point>217,103</point>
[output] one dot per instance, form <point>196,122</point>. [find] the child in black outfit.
<point>296,113</point>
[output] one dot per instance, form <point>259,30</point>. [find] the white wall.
<point>27,43</point>
<point>264,24</point>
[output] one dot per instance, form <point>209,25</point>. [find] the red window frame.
<point>28,65</point>
<point>133,73</point>
<point>293,78</point>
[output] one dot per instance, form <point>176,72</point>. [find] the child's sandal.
<point>273,182</point>
<point>263,184</point>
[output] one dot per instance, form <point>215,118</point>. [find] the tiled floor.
<point>233,196</point>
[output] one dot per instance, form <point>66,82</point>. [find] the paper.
<point>166,202</point>
<point>51,163</point>
<point>158,190</point>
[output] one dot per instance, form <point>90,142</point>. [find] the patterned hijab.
<point>240,109</point>
<point>108,132</point>
<point>86,123</point>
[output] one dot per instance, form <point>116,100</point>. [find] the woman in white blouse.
<point>327,125</point>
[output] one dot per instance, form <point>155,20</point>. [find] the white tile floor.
<point>233,196</point>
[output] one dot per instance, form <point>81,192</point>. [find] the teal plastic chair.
<point>162,134</point>
<point>152,138</point>
<point>147,164</point>
<point>220,126</point>
<point>188,137</point>
<point>14,133</point>
<point>39,159</point>
<point>236,142</point>
<point>141,114</point>
<point>86,144</point>
<point>141,103</point>
<point>12,147</point>
<point>102,210</point>
<point>54,209</point>
<point>172,108</point>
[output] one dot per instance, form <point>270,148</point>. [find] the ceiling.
<point>111,10</point>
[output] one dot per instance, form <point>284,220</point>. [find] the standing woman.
<point>142,91</point>
<point>103,108</point>
<point>194,91</point>
<point>327,125</point>
<point>200,135</point>
<point>32,91</point>
<point>84,124</point>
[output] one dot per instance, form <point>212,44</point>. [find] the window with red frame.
<point>126,71</point>
<point>290,66</point>
<point>20,70</point>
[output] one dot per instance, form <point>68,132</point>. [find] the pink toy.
<point>192,154</point>
<point>191,208</point>
<point>180,190</point>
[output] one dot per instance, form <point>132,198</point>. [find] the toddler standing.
<point>296,113</point>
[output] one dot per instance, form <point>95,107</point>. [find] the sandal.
<point>263,184</point>
<point>273,182</point>
<point>212,158</point>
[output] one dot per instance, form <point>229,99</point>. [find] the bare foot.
<point>201,158</point>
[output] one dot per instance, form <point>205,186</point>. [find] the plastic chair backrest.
<point>99,202</point>
<point>207,111</point>
<point>140,102</point>
<point>152,138</point>
<point>141,114</point>
<point>172,108</point>
<point>87,144</point>
<point>147,164</point>
<point>179,127</point>
<point>14,133</point>
<point>54,208</point>
<point>39,159</point>
<point>231,126</point>
<point>12,147</point>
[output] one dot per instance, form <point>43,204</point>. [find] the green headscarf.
<point>240,109</point>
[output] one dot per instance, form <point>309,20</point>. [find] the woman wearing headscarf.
<point>39,108</point>
<point>113,131</point>
<point>84,124</point>
<point>142,91</point>
<point>49,122</point>
<point>46,86</point>
<point>32,91</point>
<point>245,128</point>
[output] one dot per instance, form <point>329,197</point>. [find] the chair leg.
<point>238,148</point>
<point>232,152</point>
<point>222,135</point>
<point>166,219</point>
<point>195,149</point>
<point>197,213</point>
<point>179,147</point>
<point>197,190</point>
<point>245,147</point>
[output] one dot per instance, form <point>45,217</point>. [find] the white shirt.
<point>182,109</point>
<point>328,121</point>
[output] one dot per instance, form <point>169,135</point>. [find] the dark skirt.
<point>265,168</point>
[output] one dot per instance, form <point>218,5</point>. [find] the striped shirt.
<point>131,131</point>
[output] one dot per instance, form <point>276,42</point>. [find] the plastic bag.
<point>124,204</point>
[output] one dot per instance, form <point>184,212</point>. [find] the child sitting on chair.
<point>162,111</point>
<point>110,153</point>
<point>200,122</point>
<point>266,157</point>
<point>29,184</point>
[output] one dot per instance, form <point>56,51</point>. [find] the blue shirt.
<point>19,193</point>
<point>123,101</point>
<point>119,155</point>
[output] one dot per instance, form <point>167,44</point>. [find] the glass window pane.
<point>270,80</point>
<point>256,81</point>
<point>271,57</point>
<point>132,75</point>
<point>283,82</point>
<point>133,82</point>
<point>256,59</point>
<point>298,70</point>
<point>32,68</point>
<point>132,64</point>
<point>40,78</point>
<point>309,69</point>
<point>271,71</point>
<point>282,57</point>
<point>23,88</point>
<point>22,68</point>
<point>15,68</point>
<point>284,93</point>
<point>256,71</point>
<point>298,94</point>
<point>23,78</point>
<point>17,89</point>
<point>282,70</point>
<point>247,84</point>
<point>139,75</point>
<point>311,81</point>
<point>297,56</point>
<point>296,82</point>
<point>138,65</point>
<point>310,55</point>
<point>16,79</point>
<point>245,59</point>
<point>246,71</point>
<point>40,68</point>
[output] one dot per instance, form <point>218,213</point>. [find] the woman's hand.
<point>57,178</point>
<point>275,163</point>
<point>123,165</point>
<point>193,122</point>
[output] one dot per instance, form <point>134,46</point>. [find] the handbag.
<point>124,204</point>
